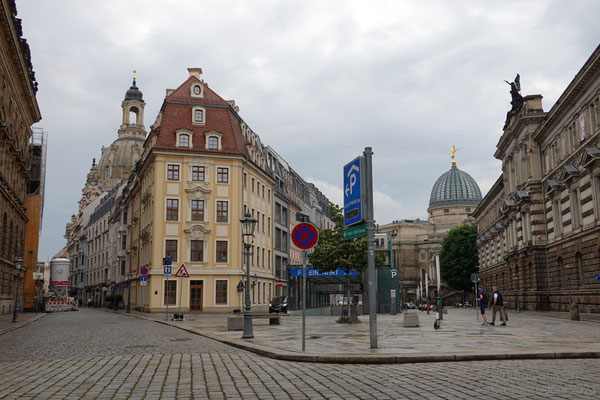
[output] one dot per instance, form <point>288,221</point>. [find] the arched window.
<point>213,142</point>
<point>184,140</point>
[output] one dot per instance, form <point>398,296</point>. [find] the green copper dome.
<point>454,187</point>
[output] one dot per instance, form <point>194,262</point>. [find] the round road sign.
<point>305,236</point>
<point>474,277</point>
<point>279,283</point>
<point>144,271</point>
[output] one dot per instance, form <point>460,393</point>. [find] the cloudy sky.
<point>317,80</point>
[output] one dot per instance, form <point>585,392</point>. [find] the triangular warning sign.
<point>182,272</point>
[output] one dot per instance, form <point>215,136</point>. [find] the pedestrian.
<point>498,306</point>
<point>89,301</point>
<point>482,299</point>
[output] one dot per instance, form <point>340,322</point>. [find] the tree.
<point>332,252</point>
<point>458,258</point>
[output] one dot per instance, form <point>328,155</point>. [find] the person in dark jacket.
<point>498,305</point>
<point>482,299</point>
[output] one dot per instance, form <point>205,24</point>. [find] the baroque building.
<point>539,225</point>
<point>18,111</point>
<point>454,197</point>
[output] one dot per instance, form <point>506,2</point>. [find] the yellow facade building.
<point>202,168</point>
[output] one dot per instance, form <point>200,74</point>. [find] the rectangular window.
<point>245,180</point>
<point>197,210</point>
<point>198,174</point>
<point>220,292</point>
<point>258,284</point>
<point>575,214</point>
<point>222,175</point>
<point>263,258</point>
<point>264,286</point>
<point>277,212</point>
<point>172,172</point>
<point>198,115</point>
<point>284,216</point>
<point>263,191</point>
<point>196,250</point>
<point>269,195</point>
<point>172,209</point>
<point>222,211</point>
<point>123,242</point>
<point>269,259</point>
<point>263,223</point>
<point>221,251</point>
<point>170,290</point>
<point>269,226</point>
<point>171,249</point>
<point>252,185</point>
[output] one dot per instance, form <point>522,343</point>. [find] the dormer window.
<point>184,140</point>
<point>197,90</point>
<point>198,116</point>
<point>213,140</point>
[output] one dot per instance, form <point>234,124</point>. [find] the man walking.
<point>483,300</point>
<point>498,306</point>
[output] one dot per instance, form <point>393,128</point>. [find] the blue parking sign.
<point>167,270</point>
<point>167,261</point>
<point>353,192</point>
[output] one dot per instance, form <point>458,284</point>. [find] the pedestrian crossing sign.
<point>182,272</point>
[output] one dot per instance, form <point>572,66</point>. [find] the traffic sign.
<point>167,261</point>
<point>182,272</point>
<point>354,232</point>
<point>144,271</point>
<point>279,283</point>
<point>143,283</point>
<point>353,192</point>
<point>114,288</point>
<point>167,270</point>
<point>305,236</point>
<point>38,276</point>
<point>597,277</point>
<point>143,278</point>
<point>474,277</point>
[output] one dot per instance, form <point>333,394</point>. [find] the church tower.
<point>118,159</point>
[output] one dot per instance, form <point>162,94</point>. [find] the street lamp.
<point>19,268</point>
<point>248,225</point>
<point>128,309</point>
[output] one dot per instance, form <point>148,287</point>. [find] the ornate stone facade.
<point>539,225</point>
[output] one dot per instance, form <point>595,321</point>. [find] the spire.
<point>134,93</point>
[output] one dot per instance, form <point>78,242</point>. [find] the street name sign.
<point>305,236</point>
<point>354,206</point>
<point>316,272</point>
<point>354,232</point>
<point>182,272</point>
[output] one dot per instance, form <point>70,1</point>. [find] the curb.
<point>12,328</point>
<point>379,358</point>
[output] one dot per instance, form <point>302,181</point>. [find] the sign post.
<point>305,236</point>
<point>475,279</point>
<point>181,273</point>
<point>167,272</point>
<point>143,282</point>
<point>370,220</point>
<point>439,286</point>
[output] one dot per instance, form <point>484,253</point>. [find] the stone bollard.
<point>574,308</point>
<point>411,320</point>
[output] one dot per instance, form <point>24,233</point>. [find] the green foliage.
<point>459,259</point>
<point>348,320</point>
<point>332,252</point>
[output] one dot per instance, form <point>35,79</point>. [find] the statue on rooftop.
<point>517,100</point>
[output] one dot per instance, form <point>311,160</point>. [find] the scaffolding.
<point>37,164</point>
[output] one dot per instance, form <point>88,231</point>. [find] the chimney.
<point>195,72</point>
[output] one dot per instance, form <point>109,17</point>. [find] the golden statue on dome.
<point>453,150</point>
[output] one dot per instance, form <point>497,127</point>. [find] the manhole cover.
<point>181,339</point>
<point>141,346</point>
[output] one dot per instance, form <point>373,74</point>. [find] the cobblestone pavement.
<point>92,354</point>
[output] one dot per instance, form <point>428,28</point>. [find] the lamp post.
<point>248,225</point>
<point>19,268</point>
<point>517,305</point>
<point>128,309</point>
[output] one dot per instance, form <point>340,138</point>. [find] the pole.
<point>142,289</point>
<point>128,310</point>
<point>475,304</point>
<point>16,310</point>
<point>37,295</point>
<point>427,291</point>
<point>303,300</point>
<point>402,297</point>
<point>439,286</point>
<point>370,222</point>
<point>248,331</point>
<point>167,296</point>
<point>180,294</point>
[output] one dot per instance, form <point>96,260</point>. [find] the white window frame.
<point>206,173</point>
<point>167,172</point>
<point>217,174</point>
<point>194,85</point>
<point>217,263</point>
<point>216,134</point>
<point>164,252</point>
<point>176,291</point>
<point>190,135</point>
<point>178,209</point>
<point>194,109</point>
<point>217,211</point>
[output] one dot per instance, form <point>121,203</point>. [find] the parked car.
<point>423,307</point>
<point>278,304</point>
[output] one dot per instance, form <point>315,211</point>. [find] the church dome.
<point>454,187</point>
<point>134,93</point>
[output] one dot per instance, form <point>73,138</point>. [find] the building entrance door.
<point>196,295</point>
